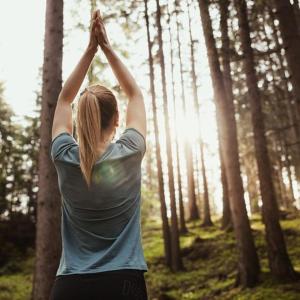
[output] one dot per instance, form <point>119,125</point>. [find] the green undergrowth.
<point>15,287</point>
<point>209,258</point>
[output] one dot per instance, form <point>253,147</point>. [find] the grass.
<point>209,257</point>
<point>15,287</point>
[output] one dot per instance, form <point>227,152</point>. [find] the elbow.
<point>64,97</point>
<point>136,95</point>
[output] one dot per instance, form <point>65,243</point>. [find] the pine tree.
<point>248,263</point>
<point>48,240</point>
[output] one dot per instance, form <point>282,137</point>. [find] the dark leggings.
<point>123,284</point>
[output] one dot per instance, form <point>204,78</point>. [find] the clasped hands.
<point>98,36</point>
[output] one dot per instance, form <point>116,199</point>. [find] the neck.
<point>106,139</point>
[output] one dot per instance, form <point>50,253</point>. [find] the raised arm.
<point>62,121</point>
<point>136,112</point>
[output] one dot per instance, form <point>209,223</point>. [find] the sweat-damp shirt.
<point>100,226</point>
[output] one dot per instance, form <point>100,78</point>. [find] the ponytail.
<point>96,107</point>
<point>89,132</point>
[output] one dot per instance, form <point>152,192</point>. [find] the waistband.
<point>135,272</point>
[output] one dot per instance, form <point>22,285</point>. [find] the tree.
<point>163,207</point>
<point>176,258</point>
<point>193,208</point>
<point>206,207</point>
<point>279,261</point>
<point>291,42</point>
<point>8,134</point>
<point>226,218</point>
<point>183,228</point>
<point>248,264</point>
<point>48,243</point>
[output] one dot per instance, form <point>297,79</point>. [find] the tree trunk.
<point>163,207</point>
<point>193,208</point>
<point>149,168</point>
<point>48,239</point>
<point>176,258</point>
<point>279,261</point>
<point>290,203</point>
<point>291,42</point>
<point>297,13</point>
<point>292,108</point>
<point>183,228</point>
<point>226,223</point>
<point>290,116</point>
<point>226,220</point>
<point>248,264</point>
<point>206,208</point>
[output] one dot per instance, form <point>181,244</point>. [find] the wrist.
<point>91,49</point>
<point>106,48</point>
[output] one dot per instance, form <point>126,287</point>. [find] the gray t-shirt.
<point>100,226</point>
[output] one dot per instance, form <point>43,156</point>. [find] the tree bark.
<point>193,208</point>
<point>183,228</point>
<point>297,13</point>
<point>286,201</point>
<point>48,238</point>
<point>279,261</point>
<point>292,108</point>
<point>206,208</point>
<point>226,219</point>
<point>175,246</point>
<point>291,42</point>
<point>226,223</point>
<point>163,207</point>
<point>149,170</point>
<point>248,264</point>
<point>176,258</point>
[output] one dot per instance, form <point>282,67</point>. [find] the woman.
<point>100,184</point>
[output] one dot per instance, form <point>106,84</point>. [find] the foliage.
<point>19,147</point>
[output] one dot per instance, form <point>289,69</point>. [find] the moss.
<point>209,256</point>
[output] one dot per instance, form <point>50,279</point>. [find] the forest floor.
<point>209,256</point>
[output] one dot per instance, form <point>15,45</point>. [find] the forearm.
<point>74,81</point>
<point>124,77</point>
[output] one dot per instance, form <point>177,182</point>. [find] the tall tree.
<point>48,240</point>
<point>193,208</point>
<point>163,207</point>
<point>248,264</point>
<point>283,89</point>
<point>183,228</point>
<point>279,261</point>
<point>176,257</point>
<point>291,42</point>
<point>225,54</point>
<point>206,207</point>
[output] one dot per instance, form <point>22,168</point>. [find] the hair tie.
<point>87,90</point>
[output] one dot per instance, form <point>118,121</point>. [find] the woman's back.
<point>102,255</point>
<point>101,224</point>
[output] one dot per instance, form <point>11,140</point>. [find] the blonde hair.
<point>96,107</point>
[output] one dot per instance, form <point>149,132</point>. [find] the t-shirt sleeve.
<point>61,146</point>
<point>133,140</point>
